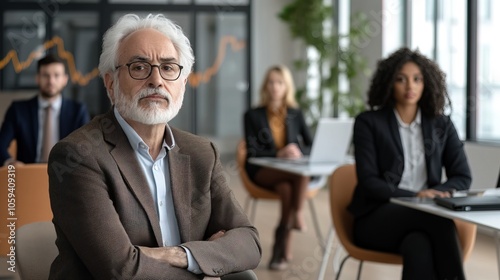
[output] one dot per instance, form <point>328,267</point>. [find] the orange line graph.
<point>195,79</point>
<point>203,77</point>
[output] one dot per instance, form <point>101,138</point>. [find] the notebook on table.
<point>469,203</point>
<point>330,145</point>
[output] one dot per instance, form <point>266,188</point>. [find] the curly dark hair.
<point>435,95</point>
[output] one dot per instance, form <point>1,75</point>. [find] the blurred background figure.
<point>401,147</point>
<point>38,123</point>
<point>277,129</point>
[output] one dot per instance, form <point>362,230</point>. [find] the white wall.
<point>371,44</point>
<point>271,41</point>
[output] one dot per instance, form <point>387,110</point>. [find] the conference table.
<point>311,169</point>
<point>486,219</point>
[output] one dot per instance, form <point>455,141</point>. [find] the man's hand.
<point>217,235</point>
<point>174,256</point>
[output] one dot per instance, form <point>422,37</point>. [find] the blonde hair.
<point>290,87</point>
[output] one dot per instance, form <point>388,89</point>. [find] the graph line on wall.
<point>204,77</point>
<point>75,75</point>
<point>194,80</point>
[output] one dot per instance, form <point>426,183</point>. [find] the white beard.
<point>153,114</point>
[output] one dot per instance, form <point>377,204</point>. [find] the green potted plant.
<point>312,22</point>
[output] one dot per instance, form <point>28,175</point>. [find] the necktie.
<point>47,134</point>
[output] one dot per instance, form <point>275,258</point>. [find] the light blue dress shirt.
<point>157,174</point>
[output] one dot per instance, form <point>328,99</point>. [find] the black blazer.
<point>21,123</point>
<point>380,160</point>
<point>259,139</point>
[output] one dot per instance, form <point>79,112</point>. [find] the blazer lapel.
<point>394,128</point>
<point>63,119</point>
<point>428,141</point>
<point>264,124</point>
<point>181,185</point>
<point>33,114</point>
<point>132,173</point>
<point>290,127</point>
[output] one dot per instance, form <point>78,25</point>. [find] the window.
<point>444,39</point>
<point>219,32</point>
<point>488,92</point>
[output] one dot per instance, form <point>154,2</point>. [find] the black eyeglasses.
<point>141,70</point>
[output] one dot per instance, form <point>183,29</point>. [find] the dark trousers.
<point>428,243</point>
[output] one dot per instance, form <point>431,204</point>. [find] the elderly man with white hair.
<point>134,198</point>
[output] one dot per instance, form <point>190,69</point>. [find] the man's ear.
<point>108,83</point>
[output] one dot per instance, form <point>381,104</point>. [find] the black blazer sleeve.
<point>6,134</point>
<point>445,149</point>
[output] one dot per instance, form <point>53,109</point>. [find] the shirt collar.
<point>56,103</point>
<point>136,141</point>
<point>416,121</point>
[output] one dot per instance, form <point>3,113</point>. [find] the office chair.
<point>342,184</point>
<point>255,192</point>
<point>32,204</point>
<point>36,249</point>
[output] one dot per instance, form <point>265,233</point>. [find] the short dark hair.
<point>435,95</point>
<point>49,59</point>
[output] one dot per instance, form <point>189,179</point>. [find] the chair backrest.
<point>253,190</point>
<point>30,185</point>
<point>467,237</point>
<point>36,250</point>
<point>342,184</point>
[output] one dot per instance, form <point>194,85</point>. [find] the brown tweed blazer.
<point>103,209</point>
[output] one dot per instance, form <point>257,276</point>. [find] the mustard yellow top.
<point>277,124</point>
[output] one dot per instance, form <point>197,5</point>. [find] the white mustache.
<point>154,91</point>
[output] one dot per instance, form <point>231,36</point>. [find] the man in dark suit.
<point>24,120</point>
<point>134,198</point>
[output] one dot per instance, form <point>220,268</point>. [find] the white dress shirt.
<point>157,174</point>
<point>56,106</point>
<point>414,176</point>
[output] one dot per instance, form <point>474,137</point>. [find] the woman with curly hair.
<point>277,129</point>
<point>401,146</point>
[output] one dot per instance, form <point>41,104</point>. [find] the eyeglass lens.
<point>142,70</point>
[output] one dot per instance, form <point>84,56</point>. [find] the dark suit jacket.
<point>103,208</point>
<point>259,139</point>
<point>21,123</point>
<point>380,161</point>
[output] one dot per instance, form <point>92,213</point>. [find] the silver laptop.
<point>330,145</point>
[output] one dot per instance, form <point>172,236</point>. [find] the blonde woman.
<point>276,128</point>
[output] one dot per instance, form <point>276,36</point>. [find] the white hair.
<point>130,23</point>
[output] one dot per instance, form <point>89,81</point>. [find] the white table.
<point>314,169</point>
<point>486,219</point>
